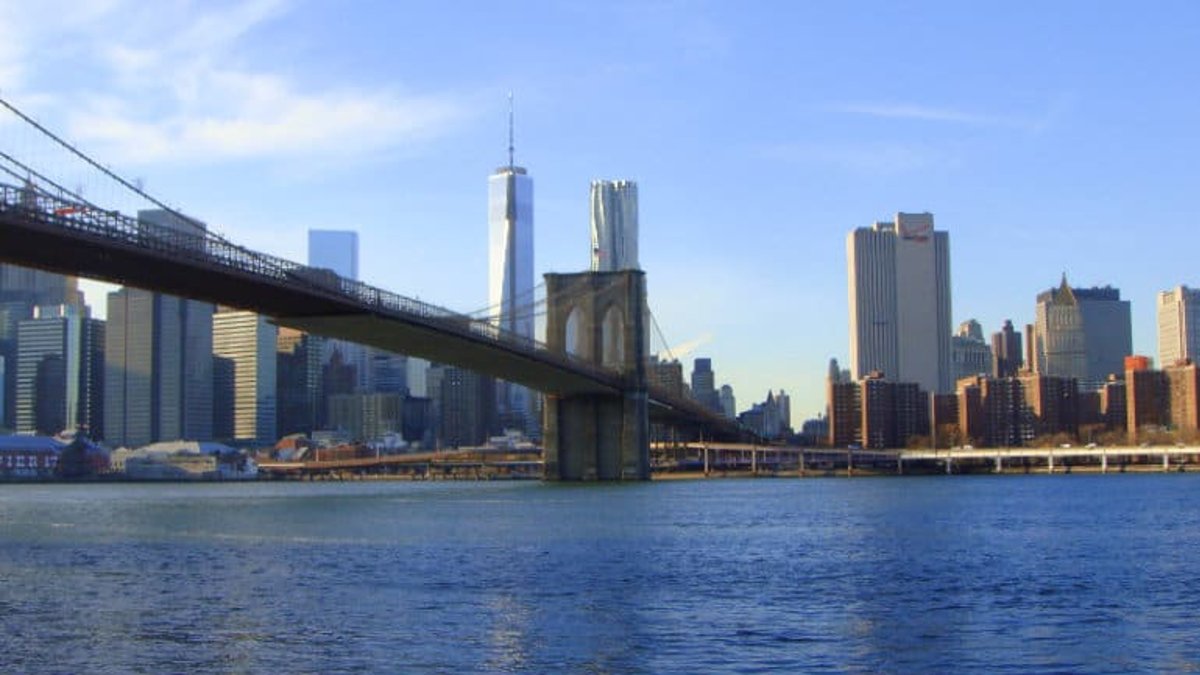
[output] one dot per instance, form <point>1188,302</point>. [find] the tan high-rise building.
<point>899,293</point>
<point>244,370</point>
<point>1178,325</point>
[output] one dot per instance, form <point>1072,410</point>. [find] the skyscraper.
<point>728,402</point>
<point>337,250</point>
<point>60,357</point>
<point>1007,353</point>
<point>969,354</point>
<point>158,360</point>
<point>244,376</point>
<point>704,384</point>
<point>1178,325</point>
<point>157,368</point>
<point>297,381</point>
<point>614,225</point>
<point>22,289</point>
<point>510,271</point>
<point>1081,333</point>
<point>899,288</point>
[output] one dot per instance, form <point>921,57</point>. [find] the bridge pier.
<point>597,437</point>
<point>599,317</point>
<point>999,464</point>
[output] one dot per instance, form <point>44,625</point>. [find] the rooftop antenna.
<point>511,163</point>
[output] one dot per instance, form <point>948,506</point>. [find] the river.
<point>963,573</point>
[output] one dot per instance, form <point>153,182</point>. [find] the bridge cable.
<point>658,329</point>
<point>78,153</point>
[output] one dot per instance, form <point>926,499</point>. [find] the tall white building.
<point>244,370</point>
<point>510,271</point>
<point>614,225</point>
<point>899,292</point>
<point>1178,325</point>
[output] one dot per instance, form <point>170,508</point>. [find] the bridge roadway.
<point>45,232</point>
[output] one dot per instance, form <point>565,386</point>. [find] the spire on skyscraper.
<point>511,162</point>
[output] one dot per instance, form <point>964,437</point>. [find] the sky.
<point>1046,138</point>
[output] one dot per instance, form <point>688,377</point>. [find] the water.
<point>1038,573</point>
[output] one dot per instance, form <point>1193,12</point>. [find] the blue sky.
<point>1045,138</point>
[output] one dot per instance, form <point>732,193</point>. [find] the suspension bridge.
<point>597,407</point>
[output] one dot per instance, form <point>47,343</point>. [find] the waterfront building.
<point>244,375</point>
<point>1147,406</point>
<point>1113,409</point>
<point>969,354</point>
<point>337,377</point>
<point>389,372</point>
<point>158,368</point>
<point>298,377</point>
<point>899,292</point>
<point>729,402</point>
<point>838,374</point>
<point>1007,353</point>
<point>416,421</point>
<point>1183,382</point>
<point>1051,404</point>
<point>892,412</point>
<point>614,225</point>
<point>21,290</point>
<point>416,374</point>
<point>60,372</point>
<point>1081,333</point>
<point>37,288</point>
<point>463,411</point>
<point>704,384</point>
<point>845,413</point>
<point>667,375</point>
<point>510,275</point>
<point>944,418</point>
<point>1178,325</point>
<point>815,431</point>
<point>769,419</point>
<point>367,417</point>
<point>29,456</point>
<point>992,412</point>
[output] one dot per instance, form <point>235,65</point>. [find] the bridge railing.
<point>197,244</point>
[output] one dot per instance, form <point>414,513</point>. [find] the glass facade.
<point>510,276</point>
<point>614,225</point>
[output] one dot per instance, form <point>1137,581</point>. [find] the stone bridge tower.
<point>599,317</point>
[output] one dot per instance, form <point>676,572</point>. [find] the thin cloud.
<point>177,90</point>
<point>910,111</point>
<point>266,118</point>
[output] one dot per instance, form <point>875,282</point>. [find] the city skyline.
<point>755,150</point>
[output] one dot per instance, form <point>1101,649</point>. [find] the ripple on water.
<point>1018,573</point>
